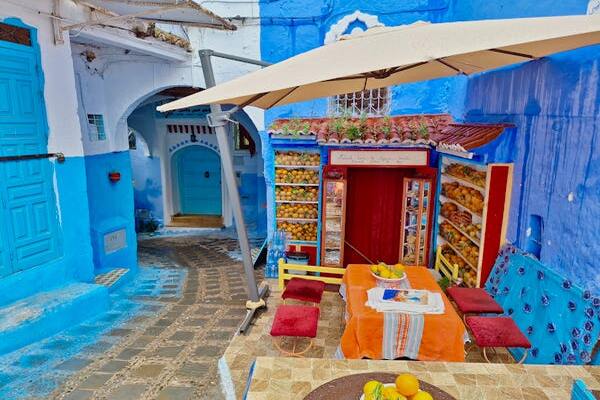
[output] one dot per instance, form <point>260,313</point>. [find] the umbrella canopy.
<point>389,56</point>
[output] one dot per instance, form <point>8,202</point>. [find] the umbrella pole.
<point>218,120</point>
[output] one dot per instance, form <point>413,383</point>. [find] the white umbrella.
<point>389,56</point>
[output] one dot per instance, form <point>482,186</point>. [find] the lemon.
<point>372,387</point>
<point>385,274</point>
<point>390,393</point>
<point>407,384</point>
<point>422,395</point>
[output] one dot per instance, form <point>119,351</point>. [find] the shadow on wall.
<point>147,187</point>
<point>555,104</point>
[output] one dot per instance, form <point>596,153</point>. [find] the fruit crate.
<point>472,215</point>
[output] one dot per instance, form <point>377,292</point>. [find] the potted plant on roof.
<point>385,130</point>
<point>423,131</point>
<point>353,131</point>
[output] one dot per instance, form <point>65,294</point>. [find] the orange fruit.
<point>407,384</point>
<point>422,395</point>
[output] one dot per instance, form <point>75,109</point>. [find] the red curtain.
<point>373,213</point>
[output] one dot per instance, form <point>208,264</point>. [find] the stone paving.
<point>171,354</point>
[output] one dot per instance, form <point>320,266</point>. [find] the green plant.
<point>353,131</point>
<point>444,283</point>
<point>386,127</point>
<point>423,130</point>
<point>412,131</point>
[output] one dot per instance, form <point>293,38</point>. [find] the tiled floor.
<point>36,370</point>
<point>161,338</point>
<point>257,343</point>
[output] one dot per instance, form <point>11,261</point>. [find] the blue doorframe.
<point>197,173</point>
<point>29,227</point>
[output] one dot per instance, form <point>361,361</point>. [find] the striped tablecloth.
<point>375,335</point>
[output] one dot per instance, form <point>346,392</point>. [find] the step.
<point>47,313</point>
<point>196,221</point>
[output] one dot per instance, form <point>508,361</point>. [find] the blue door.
<point>28,217</point>
<point>199,180</point>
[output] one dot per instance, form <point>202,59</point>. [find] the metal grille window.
<point>369,102</point>
<point>96,127</point>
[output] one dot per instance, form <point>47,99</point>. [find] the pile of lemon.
<point>388,271</point>
<point>406,388</point>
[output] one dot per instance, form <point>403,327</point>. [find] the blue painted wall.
<point>147,186</point>
<point>291,27</point>
<point>553,102</point>
<point>555,105</point>
<point>111,208</point>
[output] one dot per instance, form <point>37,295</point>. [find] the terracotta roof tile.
<point>425,129</point>
<point>468,136</point>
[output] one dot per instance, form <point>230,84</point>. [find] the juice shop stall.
<point>420,190</point>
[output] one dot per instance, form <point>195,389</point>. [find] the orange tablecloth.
<point>443,334</point>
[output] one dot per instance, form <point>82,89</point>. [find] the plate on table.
<point>351,387</point>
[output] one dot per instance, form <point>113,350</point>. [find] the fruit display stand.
<point>472,214</point>
<point>334,218</point>
<point>416,214</point>
<point>297,177</point>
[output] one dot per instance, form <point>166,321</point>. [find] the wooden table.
<point>293,378</point>
<point>375,335</point>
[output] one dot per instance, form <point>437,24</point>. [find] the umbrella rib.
<point>283,97</point>
<point>513,53</point>
<point>447,64</point>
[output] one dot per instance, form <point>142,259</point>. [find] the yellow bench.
<point>285,275</point>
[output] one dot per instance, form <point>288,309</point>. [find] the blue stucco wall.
<point>291,27</point>
<point>147,186</point>
<point>111,208</point>
<point>555,105</point>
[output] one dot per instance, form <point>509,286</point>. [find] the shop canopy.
<point>180,12</point>
<point>383,57</point>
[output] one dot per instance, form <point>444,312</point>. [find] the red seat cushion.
<point>304,290</point>
<point>497,332</point>
<point>292,320</point>
<point>474,300</point>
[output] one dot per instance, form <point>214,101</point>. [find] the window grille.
<point>189,129</point>
<point>15,34</point>
<point>96,130</point>
<point>370,102</point>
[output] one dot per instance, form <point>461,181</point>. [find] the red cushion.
<point>474,300</point>
<point>496,332</point>
<point>304,290</point>
<point>292,320</point>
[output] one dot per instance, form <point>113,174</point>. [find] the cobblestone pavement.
<point>172,354</point>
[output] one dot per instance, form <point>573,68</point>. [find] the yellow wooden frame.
<point>284,275</point>
<point>444,266</point>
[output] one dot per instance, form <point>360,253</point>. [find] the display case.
<point>474,201</point>
<point>297,176</point>
<point>334,215</point>
<point>415,224</point>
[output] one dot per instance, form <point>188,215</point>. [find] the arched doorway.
<point>197,177</point>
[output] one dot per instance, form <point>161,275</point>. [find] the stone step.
<point>44,314</point>
<point>196,221</point>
